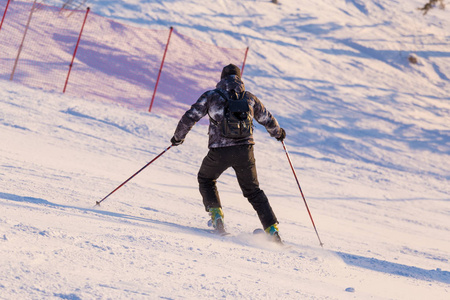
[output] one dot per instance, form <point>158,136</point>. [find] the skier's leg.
<point>247,177</point>
<point>211,168</point>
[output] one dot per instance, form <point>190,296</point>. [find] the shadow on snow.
<point>395,268</point>
<point>40,201</point>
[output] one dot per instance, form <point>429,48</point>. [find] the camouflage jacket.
<point>212,104</point>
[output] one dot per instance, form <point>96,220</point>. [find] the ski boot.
<point>272,231</point>
<point>217,220</point>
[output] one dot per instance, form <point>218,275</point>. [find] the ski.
<point>221,232</point>
<point>272,238</point>
<point>219,229</point>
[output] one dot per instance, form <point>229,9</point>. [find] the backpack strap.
<point>226,99</point>
<point>222,95</point>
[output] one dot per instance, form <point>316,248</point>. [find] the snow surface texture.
<point>367,131</point>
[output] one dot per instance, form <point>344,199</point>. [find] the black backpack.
<point>237,121</point>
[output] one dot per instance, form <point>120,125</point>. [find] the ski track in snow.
<point>368,134</point>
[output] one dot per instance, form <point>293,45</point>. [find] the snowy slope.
<point>367,131</point>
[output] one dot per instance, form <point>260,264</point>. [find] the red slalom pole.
<point>243,64</point>
<point>160,69</point>
<point>159,155</point>
<point>76,48</point>
<point>301,192</point>
<point>23,40</point>
<point>4,14</point>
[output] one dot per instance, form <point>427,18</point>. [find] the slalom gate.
<point>80,53</point>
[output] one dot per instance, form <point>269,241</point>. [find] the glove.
<point>175,142</point>
<point>282,135</point>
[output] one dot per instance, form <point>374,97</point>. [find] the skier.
<point>228,150</point>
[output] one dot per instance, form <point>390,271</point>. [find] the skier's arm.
<point>197,111</point>
<point>265,118</point>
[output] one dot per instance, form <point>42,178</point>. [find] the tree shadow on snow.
<point>395,268</point>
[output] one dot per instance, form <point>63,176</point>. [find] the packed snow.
<point>367,131</point>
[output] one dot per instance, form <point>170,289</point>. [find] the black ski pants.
<point>242,160</point>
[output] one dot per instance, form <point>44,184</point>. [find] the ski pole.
<point>98,202</point>
<point>301,192</point>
